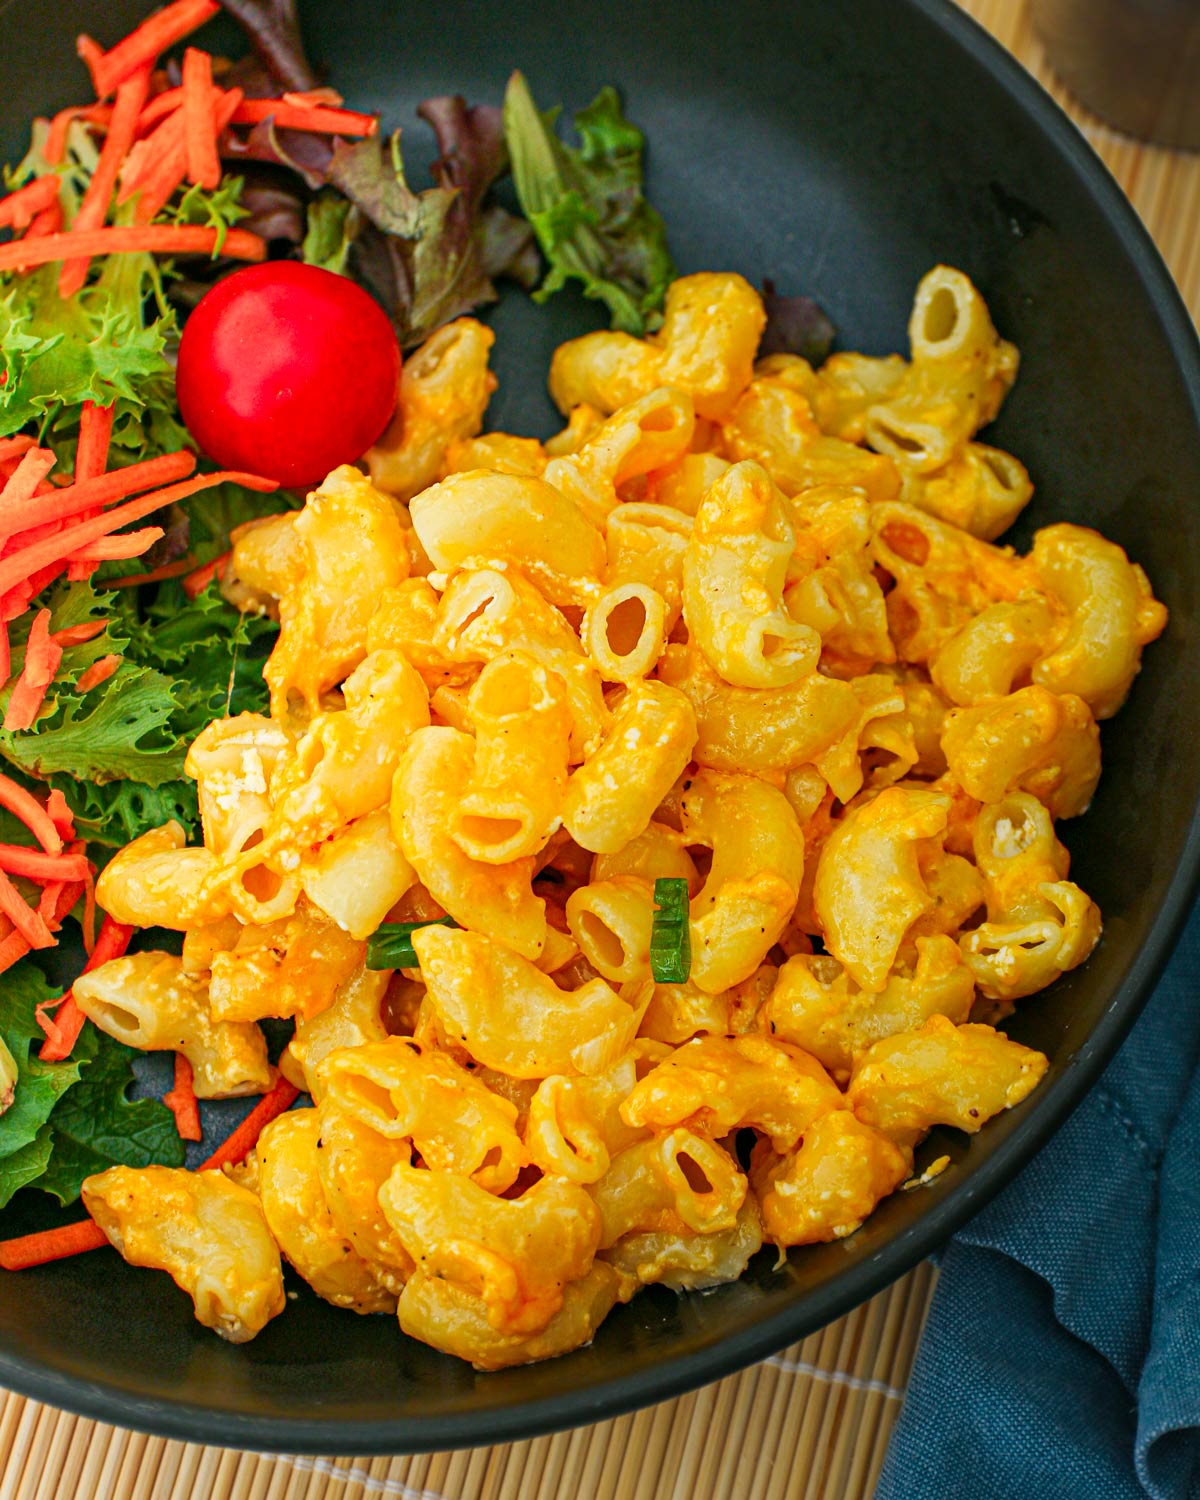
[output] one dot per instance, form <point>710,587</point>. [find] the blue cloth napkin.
<point>1062,1353</point>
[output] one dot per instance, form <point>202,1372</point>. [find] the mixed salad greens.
<point>121,651</point>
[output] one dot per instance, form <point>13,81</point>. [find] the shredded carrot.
<point>63,1028</point>
<point>14,447</point>
<point>157,186</point>
<point>95,434</point>
<point>76,635</point>
<point>22,485</point>
<point>91,53</point>
<point>142,47</point>
<point>322,95</point>
<point>91,460</point>
<point>38,580</point>
<point>114,938</point>
<point>25,702</point>
<point>49,221</point>
<point>42,656</point>
<point>124,545</point>
<point>195,583</point>
<point>15,601</point>
<point>22,915</point>
<point>146,154</point>
<point>17,209</point>
<point>89,912</point>
<point>94,209</point>
<point>99,671</point>
<point>47,907</point>
<point>155,575</point>
<point>160,239</point>
<point>23,537</point>
<point>290,114</point>
<point>51,1244</point>
<point>12,950</point>
<point>64,892</point>
<point>54,148</point>
<point>181,1101</point>
<point>158,109</point>
<point>56,548</point>
<point>25,806</point>
<point>59,898</point>
<point>238,1145</point>
<point>156,167</point>
<point>42,653</point>
<point>60,814</point>
<point>203,164</point>
<point>20,515</point>
<point>35,864</point>
<point>66,901</point>
<point>5,655</point>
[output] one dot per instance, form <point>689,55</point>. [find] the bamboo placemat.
<point>811,1423</point>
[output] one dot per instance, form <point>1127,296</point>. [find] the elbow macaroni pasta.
<point>740,624</point>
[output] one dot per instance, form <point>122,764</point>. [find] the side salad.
<point>116,646</point>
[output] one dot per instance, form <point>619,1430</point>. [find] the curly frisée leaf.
<point>117,730</point>
<point>587,207</point>
<point>58,352</point>
<point>114,813</point>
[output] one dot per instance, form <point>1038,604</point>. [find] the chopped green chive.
<point>391,946</point>
<point>670,937</point>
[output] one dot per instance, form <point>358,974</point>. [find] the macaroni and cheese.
<point>741,625</point>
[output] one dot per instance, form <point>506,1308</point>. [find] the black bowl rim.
<point>1044,1114</point>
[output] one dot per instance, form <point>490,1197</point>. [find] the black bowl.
<point>841,149</point>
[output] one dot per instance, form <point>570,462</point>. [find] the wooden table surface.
<point>811,1423</point>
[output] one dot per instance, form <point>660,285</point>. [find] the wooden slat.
<point>809,1424</point>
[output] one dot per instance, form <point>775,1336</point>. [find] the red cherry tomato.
<point>287,370</point>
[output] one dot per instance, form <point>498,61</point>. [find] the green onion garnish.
<point>391,946</point>
<point>670,937</point>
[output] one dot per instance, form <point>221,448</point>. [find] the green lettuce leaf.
<point>40,1085</point>
<point>26,1165</point>
<point>213,514</point>
<point>587,207</point>
<point>99,1126</point>
<point>328,233</point>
